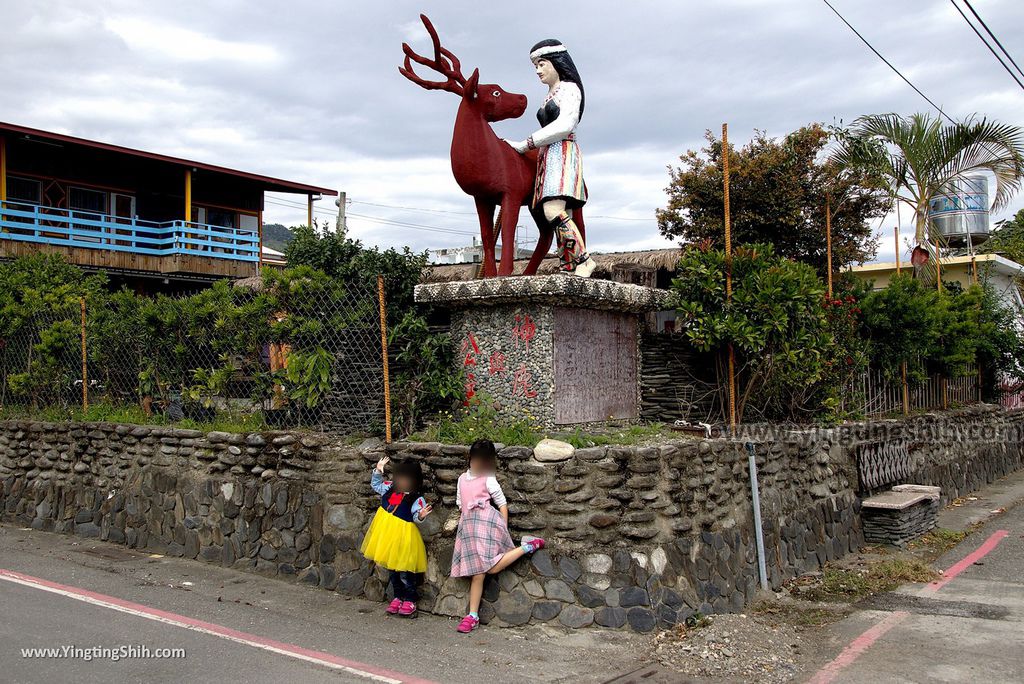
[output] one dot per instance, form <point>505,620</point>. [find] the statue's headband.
<point>547,50</point>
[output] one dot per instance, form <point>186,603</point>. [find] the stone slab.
<point>563,290</point>
<point>929,491</point>
<point>893,500</point>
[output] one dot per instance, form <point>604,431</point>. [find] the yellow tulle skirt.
<point>394,544</point>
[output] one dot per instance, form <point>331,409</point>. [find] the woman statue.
<point>560,187</point>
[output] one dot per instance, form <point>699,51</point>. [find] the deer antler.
<point>444,62</point>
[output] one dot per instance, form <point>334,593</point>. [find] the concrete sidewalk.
<point>968,628</point>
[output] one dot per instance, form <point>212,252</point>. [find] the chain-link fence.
<point>288,352</point>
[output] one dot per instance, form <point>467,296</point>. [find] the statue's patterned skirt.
<point>560,174</point>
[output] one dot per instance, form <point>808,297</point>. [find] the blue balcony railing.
<point>85,229</point>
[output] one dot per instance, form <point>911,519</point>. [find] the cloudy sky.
<point>310,91</point>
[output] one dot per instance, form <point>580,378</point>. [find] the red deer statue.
<point>484,165</point>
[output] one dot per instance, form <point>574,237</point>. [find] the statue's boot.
<point>572,250</point>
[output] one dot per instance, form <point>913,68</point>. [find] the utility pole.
<point>342,228</point>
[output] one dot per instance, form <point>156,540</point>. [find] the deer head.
<point>489,99</point>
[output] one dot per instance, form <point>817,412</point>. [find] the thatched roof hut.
<point>653,267</point>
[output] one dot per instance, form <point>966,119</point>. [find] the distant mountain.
<point>276,236</point>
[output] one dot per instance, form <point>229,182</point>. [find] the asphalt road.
<point>298,633</point>
<point>970,629</point>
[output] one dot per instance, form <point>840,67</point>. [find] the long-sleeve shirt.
<point>568,98</point>
<point>493,488</point>
<point>381,486</point>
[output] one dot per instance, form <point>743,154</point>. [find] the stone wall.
<point>676,381</point>
<point>638,536</point>
<point>959,451</point>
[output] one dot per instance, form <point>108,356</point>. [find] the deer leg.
<point>509,219</point>
<point>544,236</point>
<point>485,212</point>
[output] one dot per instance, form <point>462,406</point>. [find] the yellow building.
<point>1002,274</point>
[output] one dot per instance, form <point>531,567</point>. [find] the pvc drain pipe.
<point>758,534</point>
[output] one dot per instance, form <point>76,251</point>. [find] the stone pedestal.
<point>557,350</point>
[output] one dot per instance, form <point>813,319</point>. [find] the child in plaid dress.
<point>483,545</point>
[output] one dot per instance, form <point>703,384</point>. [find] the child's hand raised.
<point>382,463</point>
<point>425,511</point>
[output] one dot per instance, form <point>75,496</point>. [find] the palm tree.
<point>917,157</point>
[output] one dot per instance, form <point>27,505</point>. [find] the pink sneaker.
<point>408,609</point>
<point>394,607</point>
<point>531,544</point>
<point>468,624</point>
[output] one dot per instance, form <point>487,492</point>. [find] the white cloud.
<point>185,45</point>
<point>310,91</point>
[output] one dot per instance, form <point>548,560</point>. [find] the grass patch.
<point>480,420</point>
<point>626,435</point>
<point>99,411</point>
<point>938,541</point>
<point>798,615</point>
<point>132,414</point>
<point>471,424</point>
<point>841,585</point>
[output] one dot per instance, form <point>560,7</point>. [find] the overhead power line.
<point>429,211</point>
<point>887,62</point>
<point>373,219</point>
<point>989,32</point>
<point>473,213</point>
<point>987,44</point>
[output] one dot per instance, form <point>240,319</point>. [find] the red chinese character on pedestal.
<point>497,364</point>
<point>469,350</point>
<point>525,329</point>
<point>522,382</point>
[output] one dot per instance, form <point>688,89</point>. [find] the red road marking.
<point>967,562</point>
<point>319,657</point>
<point>874,633</point>
<point>857,647</point>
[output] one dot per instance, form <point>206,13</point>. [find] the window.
<point>221,218</point>
<point>249,222</point>
<point>23,194</point>
<point>82,199</point>
<point>23,190</point>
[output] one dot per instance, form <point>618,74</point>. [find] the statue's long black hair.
<point>564,67</point>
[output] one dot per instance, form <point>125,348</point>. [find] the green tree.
<point>775,323</point>
<point>778,190</point>
<point>903,323</point>
<point>424,373</point>
<point>979,327</point>
<point>1007,239</point>
<point>40,300</point>
<point>918,156</point>
<point>348,260</point>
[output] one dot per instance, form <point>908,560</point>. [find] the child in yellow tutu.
<point>393,540</point>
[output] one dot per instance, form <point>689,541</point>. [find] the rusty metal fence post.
<point>85,365</point>
<point>905,389</point>
<point>728,273</point>
<point>384,358</point>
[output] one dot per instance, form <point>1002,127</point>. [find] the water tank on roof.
<point>959,216</point>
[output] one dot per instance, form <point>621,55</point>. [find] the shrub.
<point>775,322</point>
